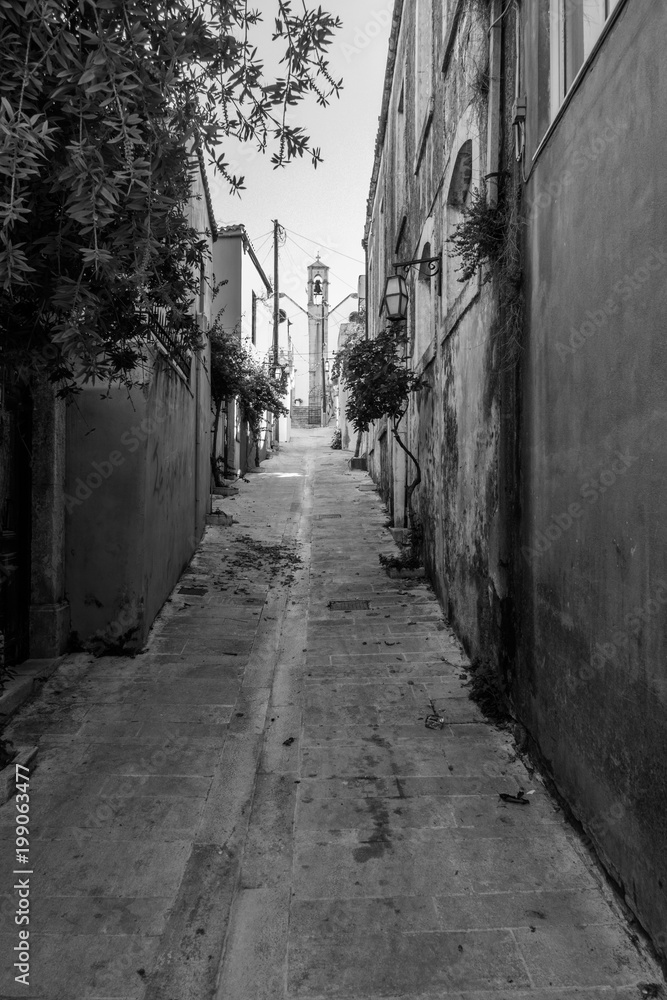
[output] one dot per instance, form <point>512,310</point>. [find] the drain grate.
<point>349,605</point>
<point>198,591</point>
<point>321,517</point>
<point>239,600</point>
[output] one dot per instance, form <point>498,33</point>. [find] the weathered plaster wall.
<point>592,675</point>
<point>49,611</point>
<point>227,267</point>
<point>105,510</point>
<point>136,494</point>
<point>458,439</point>
<point>177,481</point>
<point>452,427</point>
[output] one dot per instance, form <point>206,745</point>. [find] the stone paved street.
<point>254,809</point>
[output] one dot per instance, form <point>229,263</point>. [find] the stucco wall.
<point>136,495</point>
<point>592,674</point>
<point>105,513</point>
<point>227,268</point>
<point>177,481</point>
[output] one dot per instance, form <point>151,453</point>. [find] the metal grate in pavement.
<point>243,600</point>
<point>321,517</point>
<point>194,591</point>
<point>349,605</point>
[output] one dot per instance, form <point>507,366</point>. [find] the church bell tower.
<point>318,341</point>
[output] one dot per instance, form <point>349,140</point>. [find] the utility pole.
<point>325,348</point>
<point>276,315</point>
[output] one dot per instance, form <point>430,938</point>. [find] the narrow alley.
<point>254,806</point>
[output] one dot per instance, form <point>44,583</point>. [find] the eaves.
<point>384,113</point>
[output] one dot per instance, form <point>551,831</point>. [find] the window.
<point>424,288</point>
<point>458,197</point>
<point>424,270</point>
<point>574,27</point>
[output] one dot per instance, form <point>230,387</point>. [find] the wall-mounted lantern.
<point>395,300</point>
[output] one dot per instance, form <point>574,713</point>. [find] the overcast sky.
<point>321,209</point>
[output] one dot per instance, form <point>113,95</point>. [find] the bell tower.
<point>318,341</point>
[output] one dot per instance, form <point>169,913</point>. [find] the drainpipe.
<point>197,446</point>
<point>493,126</point>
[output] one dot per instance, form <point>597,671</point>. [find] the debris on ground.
<point>519,799</point>
<point>278,559</point>
<point>434,721</point>
<point>650,989</point>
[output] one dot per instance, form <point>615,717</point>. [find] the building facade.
<point>244,307</point>
<point>541,431</point>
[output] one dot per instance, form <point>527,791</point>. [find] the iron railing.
<point>172,342</point>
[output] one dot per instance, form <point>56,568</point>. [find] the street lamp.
<point>395,299</point>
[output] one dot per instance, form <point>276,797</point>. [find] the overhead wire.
<point>261,247</point>
<point>255,238</point>
<point>317,243</point>
<point>347,283</point>
<point>266,255</point>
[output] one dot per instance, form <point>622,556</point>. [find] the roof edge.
<point>397,18</point>
<point>207,191</point>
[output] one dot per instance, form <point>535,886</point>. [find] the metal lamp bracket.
<point>434,266</point>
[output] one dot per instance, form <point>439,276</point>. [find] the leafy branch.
<point>237,374</point>
<point>103,107</point>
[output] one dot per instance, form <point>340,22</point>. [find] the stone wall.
<point>431,157</point>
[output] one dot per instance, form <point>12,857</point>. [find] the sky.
<point>322,209</point>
